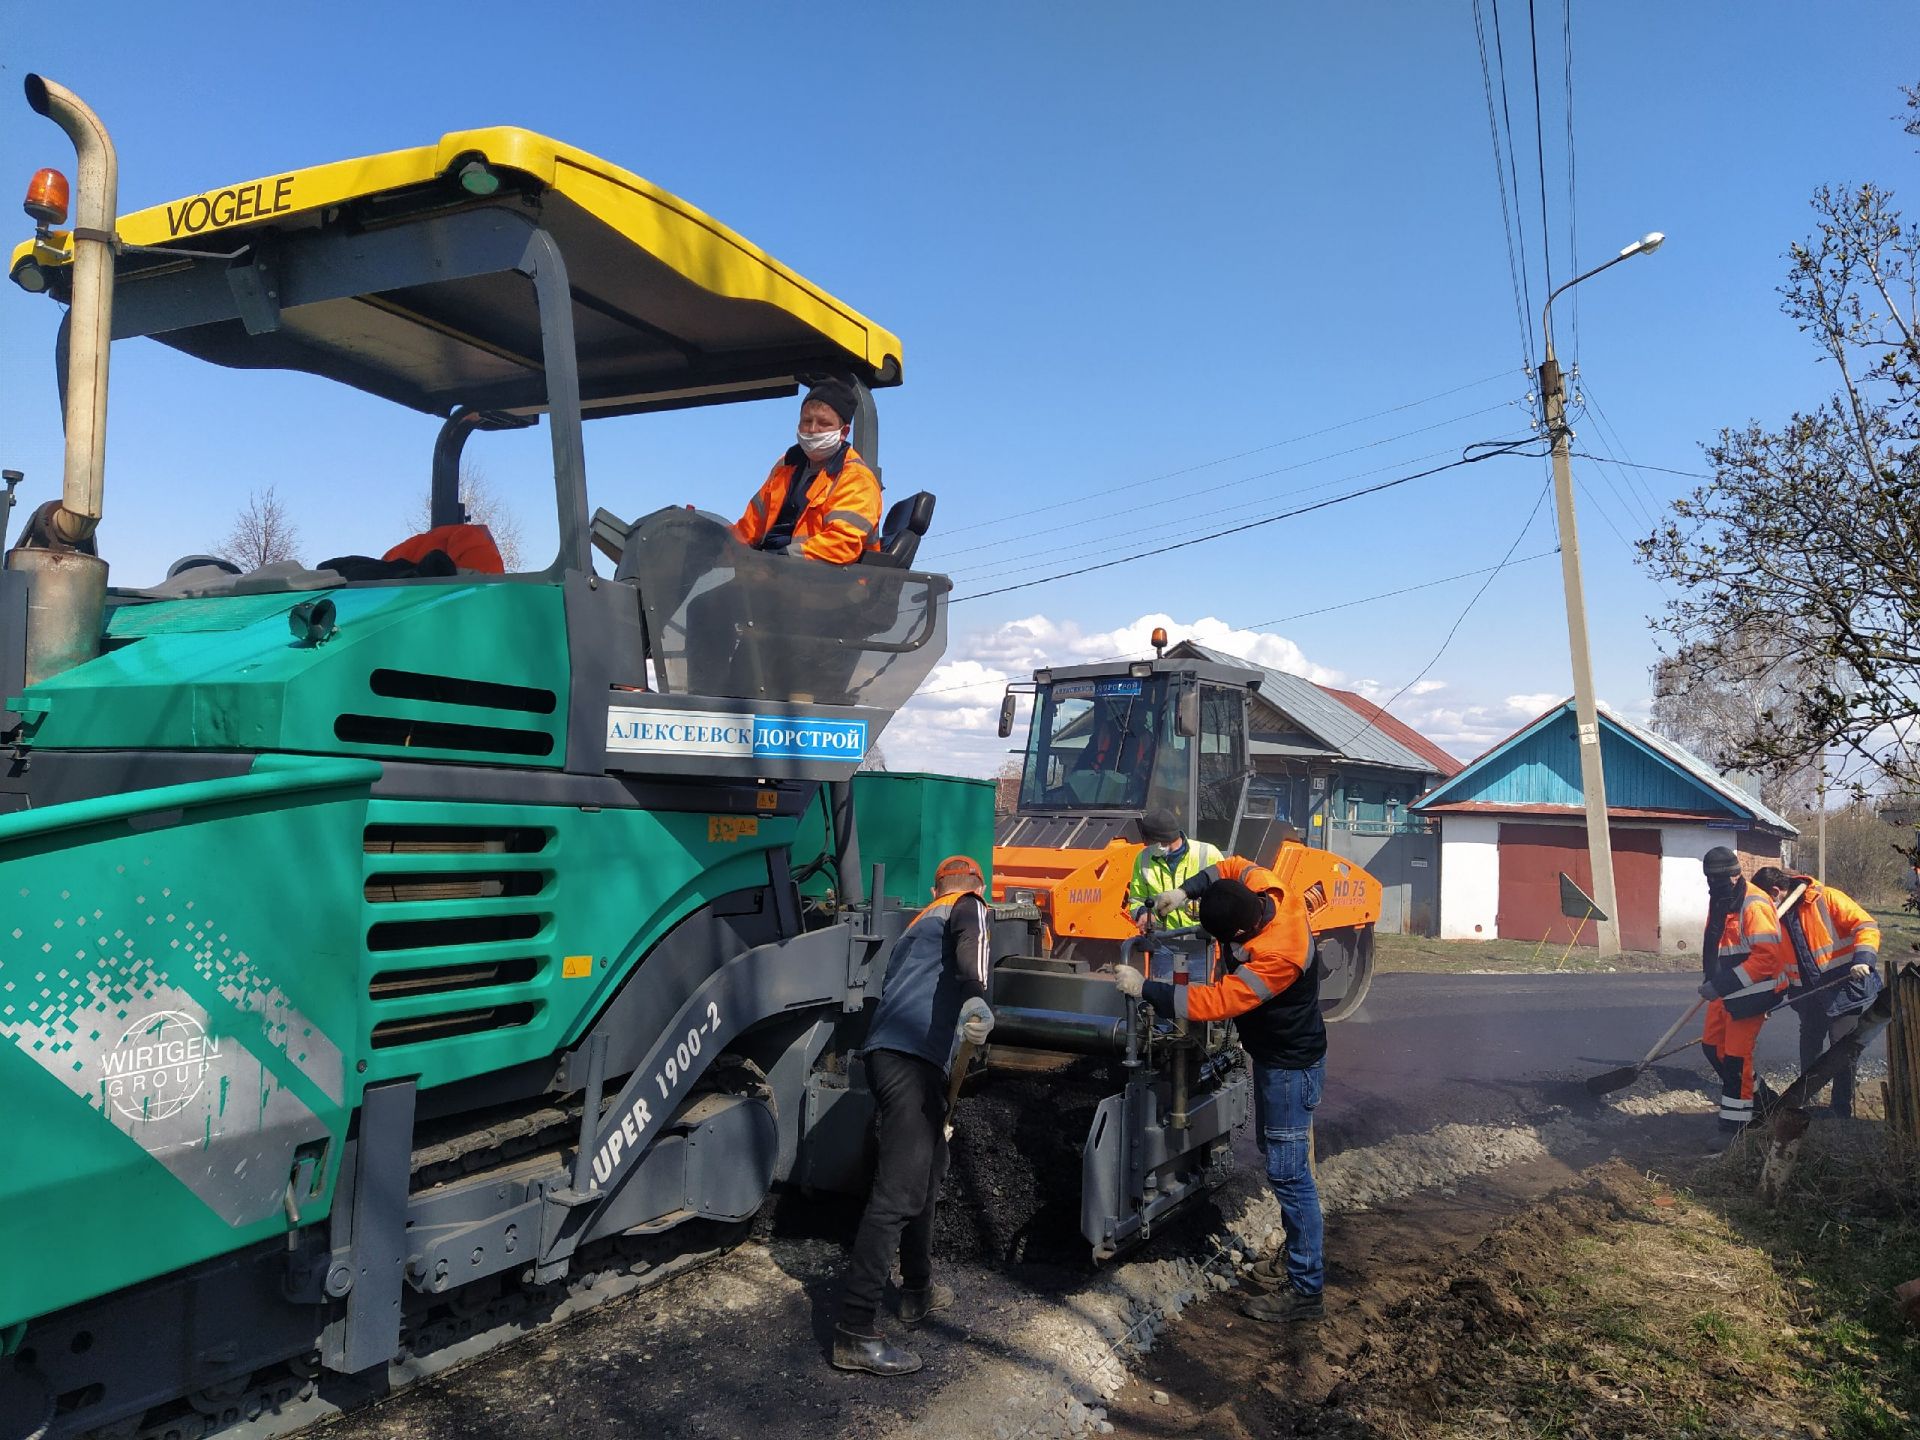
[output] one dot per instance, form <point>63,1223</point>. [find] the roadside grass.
<point>1846,1233</point>
<point>1668,1325</point>
<point>1418,954</point>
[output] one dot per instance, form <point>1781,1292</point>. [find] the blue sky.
<point>1119,241</point>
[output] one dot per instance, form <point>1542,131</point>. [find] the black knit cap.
<point>1160,826</point>
<point>1230,911</point>
<point>1720,862</point>
<point>836,395</point>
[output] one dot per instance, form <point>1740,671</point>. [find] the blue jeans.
<point>1283,1104</point>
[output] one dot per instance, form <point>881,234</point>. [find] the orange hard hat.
<point>956,865</point>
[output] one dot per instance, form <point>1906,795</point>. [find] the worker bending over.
<point>820,500</point>
<point>935,995</point>
<point>1832,980</point>
<point>1272,993</point>
<point>1745,961</point>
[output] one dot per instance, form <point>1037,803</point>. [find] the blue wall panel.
<point>1544,769</point>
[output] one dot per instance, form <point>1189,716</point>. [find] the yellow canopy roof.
<point>670,306</point>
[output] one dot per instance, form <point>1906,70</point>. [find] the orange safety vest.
<point>841,518</point>
<point>1836,926</point>
<point>1269,963</point>
<point>1761,957</point>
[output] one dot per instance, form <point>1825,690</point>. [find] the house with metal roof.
<point>1514,821</point>
<point>1345,774</point>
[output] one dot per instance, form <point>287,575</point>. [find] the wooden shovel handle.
<point>1672,1031</point>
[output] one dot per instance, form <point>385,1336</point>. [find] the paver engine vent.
<point>457,727</point>
<point>455,916</point>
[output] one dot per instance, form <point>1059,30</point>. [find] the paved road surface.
<point>1428,1049</point>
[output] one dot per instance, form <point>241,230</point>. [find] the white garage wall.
<point>1470,877</point>
<point>1683,888</point>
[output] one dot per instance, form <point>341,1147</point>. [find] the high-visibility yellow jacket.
<point>1154,873</point>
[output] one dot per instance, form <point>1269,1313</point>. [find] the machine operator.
<point>820,501</point>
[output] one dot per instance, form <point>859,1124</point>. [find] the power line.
<point>1244,526</point>
<point>1513,170</point>
<point>1573,207</point>
<point>1003,566</point>
<point>1522,311</point>
<point>1227,459</point>
<point>1302,615</point>
<point>1636,465</point>
<point>1461,619</point>
<point>1185,495</point>
<point>1540,145</point>
<point>1404,590</point>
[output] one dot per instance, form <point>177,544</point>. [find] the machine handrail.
<point>271,775</point>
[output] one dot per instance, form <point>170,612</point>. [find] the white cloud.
<point>1538,703</point>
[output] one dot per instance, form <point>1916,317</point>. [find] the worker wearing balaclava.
<point>1744,959</point>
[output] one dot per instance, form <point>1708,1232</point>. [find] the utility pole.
<point>1820,872</point>
<point>1593,780</point>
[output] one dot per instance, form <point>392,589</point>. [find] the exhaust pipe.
<point>68,588</point>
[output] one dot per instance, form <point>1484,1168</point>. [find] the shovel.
<point>961,1064</point>
<point>1624,1075</point>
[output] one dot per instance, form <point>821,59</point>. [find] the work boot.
<point>916,1305</point>
<point>1284,1307</point>
<point>870,1351</point>
<point>1266,1276</point>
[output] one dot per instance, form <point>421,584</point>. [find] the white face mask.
<point>822,443</point>
<point>1156,851</point>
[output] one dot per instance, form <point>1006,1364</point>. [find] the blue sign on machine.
<point>1119,687</point>
<point>779,737</point>
<point>714,732</point>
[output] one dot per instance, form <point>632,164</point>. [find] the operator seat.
<point>900,535</point>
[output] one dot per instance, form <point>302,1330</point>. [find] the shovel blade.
<point>1612,1080</point>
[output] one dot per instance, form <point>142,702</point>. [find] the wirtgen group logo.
<point>158,1066</point>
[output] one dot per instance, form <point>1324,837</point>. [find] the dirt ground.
<point>1629,1304</point>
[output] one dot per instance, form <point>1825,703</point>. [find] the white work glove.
<point>1128,980</point>
<point>1862,970</point>
<point>976,1022</point>
<point>1169,900</point>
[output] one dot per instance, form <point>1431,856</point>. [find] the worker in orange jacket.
<point>1745,959</point>
<point>1831,935</point>
<point>821,500</point>
<point>1272,994</point>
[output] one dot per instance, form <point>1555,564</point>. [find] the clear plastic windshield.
<point>725,620</point>
<point>1104,744</point>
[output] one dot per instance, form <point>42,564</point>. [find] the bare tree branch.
<point>1797,568</point>
<point>484,507</point>
<point>262,534</point>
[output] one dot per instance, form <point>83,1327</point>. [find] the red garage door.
<point>1532,859</point>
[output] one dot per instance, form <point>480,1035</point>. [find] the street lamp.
<point>1593,781</point>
